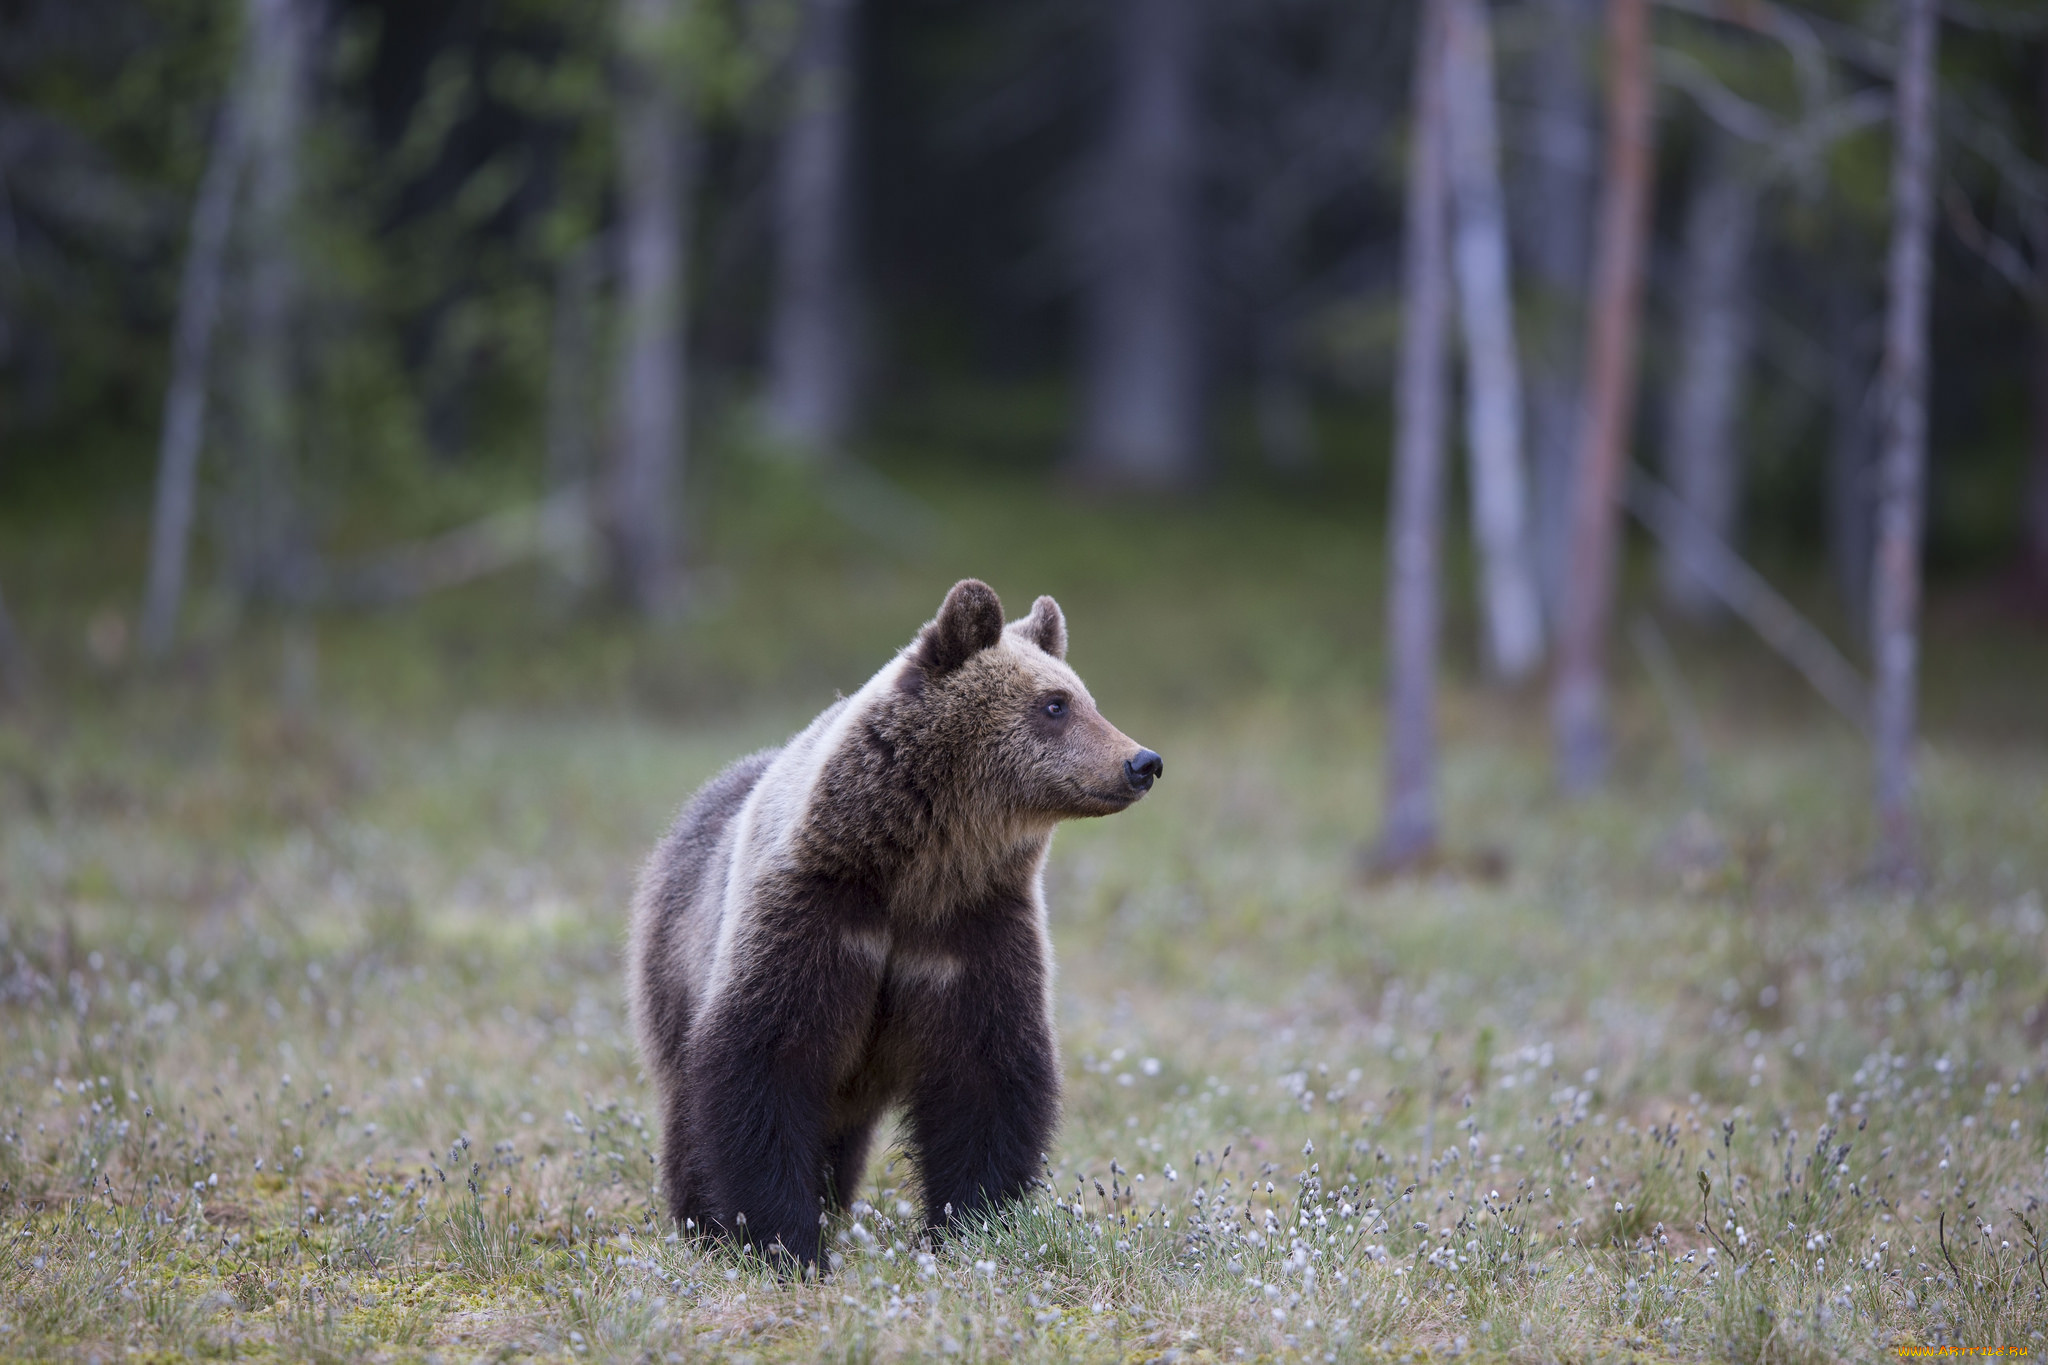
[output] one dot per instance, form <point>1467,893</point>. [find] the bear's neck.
<point>972,867</point>
<point>927,862</point>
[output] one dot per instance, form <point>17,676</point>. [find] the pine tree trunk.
<point>1702,455</point>
<point>1556,227</point>
<point>655,156</point>
<point>184,427</point>
<point>1414,533</point>
<point>1850,501</point>
<point>1140,406</point>
<point>1895,607</point>
<point>1579,697</point>
<point>268,555</point>
<point>1493,387</point>
<point>810,345</point>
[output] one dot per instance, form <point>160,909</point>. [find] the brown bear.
<point>857,919</point>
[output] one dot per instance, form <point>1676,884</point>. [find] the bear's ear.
<point>1046,627</point>
<point>970,620</point>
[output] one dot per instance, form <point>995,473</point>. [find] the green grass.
<point>312,1040</point>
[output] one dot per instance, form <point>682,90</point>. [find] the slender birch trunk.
<point>1414,533</point>
<point>656,147</point>
<point>1579,696</point>
<point>1895,606</point>
<point>270,559</point>
<point>1556,203</point>
<point>1850,501</point>
<point>1702,458</point>
<point>184,426</point>
<point>1140,406</point>
<point>811,357</point>
<point>1493,387</point>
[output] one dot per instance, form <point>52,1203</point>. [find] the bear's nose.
<point>1144,769</point>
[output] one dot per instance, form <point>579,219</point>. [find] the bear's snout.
<point>1144,768</point>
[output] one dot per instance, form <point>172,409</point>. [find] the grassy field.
<point>312,1041</point>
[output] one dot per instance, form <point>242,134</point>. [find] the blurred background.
<point>672,356</point>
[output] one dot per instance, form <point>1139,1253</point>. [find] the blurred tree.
<point>2037,478</point>
<point>1579,695</point>
<point>1553,217</point>
<point>1415,508</point>
<point>1140,404</point>
<point>1895,609</point>
<point>811,353</point>
<point>1851,430</point>
<point>14,671</point>
<point>267,550</point>
<point>1702,455</point>
<point>657,145</point>
<point>572,371</point>
<point>184,422</point>
<point>2037,473</point>
<point>1493,385</point>
<point>93,101</point>
<point>1293,234</point>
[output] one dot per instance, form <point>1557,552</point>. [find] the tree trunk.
<point>572,403</point>
<point>1416,505</point>
<point>1579,698</point>
<point>2037,484</point>
<point>184,428</point>
<point>810,346</point>
<point>14,670</point>
<point>1850,437</point>
<point>1140,408</point>
<point>1895,604</point>
<point>1557,227</point>
<point>656,149</point>
<point>1493,385</point>
<point>268,557</point>
<point>1702,458</point>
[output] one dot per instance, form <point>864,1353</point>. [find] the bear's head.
<point>998,717</point>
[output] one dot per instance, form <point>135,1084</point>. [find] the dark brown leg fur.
<point>986,1092</point>
<point>761,1080</point>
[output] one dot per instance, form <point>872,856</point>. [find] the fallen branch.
<point>1776,621</point>
<point>557,527</point>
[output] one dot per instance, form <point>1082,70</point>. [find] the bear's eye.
<point>1055,708</point>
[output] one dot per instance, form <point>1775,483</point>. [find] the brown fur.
<point>856,920</point>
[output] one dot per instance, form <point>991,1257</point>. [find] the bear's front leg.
<point>985,1093</point>
<point>798,991</point>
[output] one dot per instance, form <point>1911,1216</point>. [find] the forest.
<point>1564,484</point>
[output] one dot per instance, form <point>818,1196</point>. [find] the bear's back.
<point>676,913</point>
